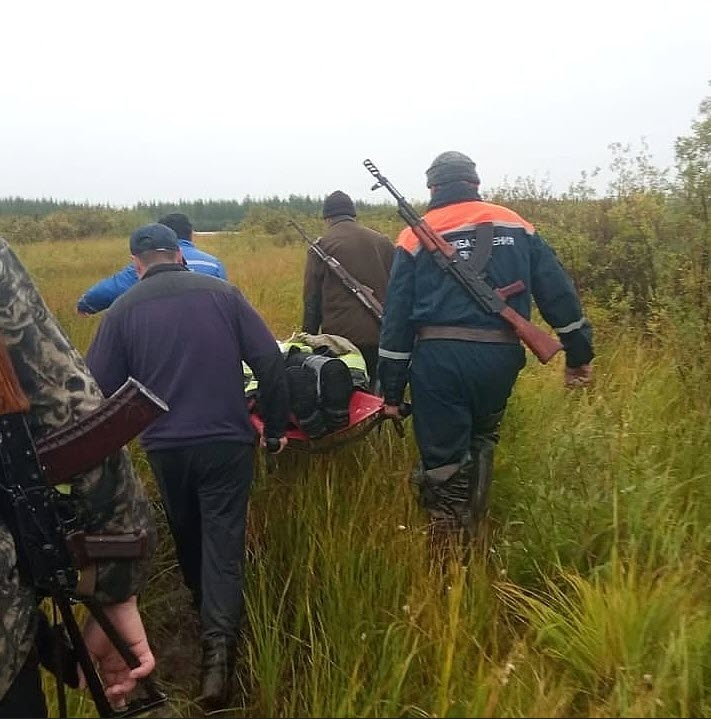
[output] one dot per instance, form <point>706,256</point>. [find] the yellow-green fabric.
<point>308,343</point>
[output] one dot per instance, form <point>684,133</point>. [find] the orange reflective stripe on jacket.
<point>462,216</point>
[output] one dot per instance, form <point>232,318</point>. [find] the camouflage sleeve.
<point>110,498</point>
<point>17,614</point>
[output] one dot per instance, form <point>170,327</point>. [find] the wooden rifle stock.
<point>539,342</point>
<point>85,443</point>
<point>515,288</point>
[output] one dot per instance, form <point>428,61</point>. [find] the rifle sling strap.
<point>484,245</point>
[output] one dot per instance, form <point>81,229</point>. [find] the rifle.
<point>365,295</point>
<point>66,452</point>
<point>51,550</point>
<point>489,299</point>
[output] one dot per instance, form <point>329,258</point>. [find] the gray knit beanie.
<point>451,167</point>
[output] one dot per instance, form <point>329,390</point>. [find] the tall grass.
<point>587,595</point>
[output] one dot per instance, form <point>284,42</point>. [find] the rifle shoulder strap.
<point>484,245</point>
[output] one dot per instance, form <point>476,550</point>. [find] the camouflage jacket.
<point>108,499</point>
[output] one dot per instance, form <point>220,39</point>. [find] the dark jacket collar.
<point>165,267</point>
<point>341,218</point>
<point>453,192</point>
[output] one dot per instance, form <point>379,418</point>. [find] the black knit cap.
<point>451,167</point>
<point>155,237</point>
<point>179,223</point>
<point>338,203</point>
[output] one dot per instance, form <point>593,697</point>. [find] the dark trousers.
<point>456,386</point>
<point>205,490</point>
<point>24,698</point>
<point>370,355</point>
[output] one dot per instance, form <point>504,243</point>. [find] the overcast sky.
<point>125,101</point>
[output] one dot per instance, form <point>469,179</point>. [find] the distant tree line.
<point>37,208</point>
<point>28,220</point>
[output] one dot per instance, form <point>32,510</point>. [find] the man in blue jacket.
<point>461,362</point>
<point>100,296</point>
<point>201,451</point>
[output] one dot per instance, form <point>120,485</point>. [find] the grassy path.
<point>588,595</point>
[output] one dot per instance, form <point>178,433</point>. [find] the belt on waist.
<point>469,334</point>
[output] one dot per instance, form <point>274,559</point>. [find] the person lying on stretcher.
<point>322,372</point>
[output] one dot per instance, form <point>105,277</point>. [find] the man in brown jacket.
<point>367,255</point>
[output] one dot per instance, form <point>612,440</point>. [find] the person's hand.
<point>283,441</point>
<point>392,411</point>
<point>117,677</point>
<point>578,376</point>
<point>81,313</point>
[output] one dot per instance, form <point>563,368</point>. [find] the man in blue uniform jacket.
<point>461,362</point>
<point>100,296</point>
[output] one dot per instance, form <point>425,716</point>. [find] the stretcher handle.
<point>272,445</point>
<point>405,410</point>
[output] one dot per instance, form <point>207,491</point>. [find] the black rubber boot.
<point>303,390</point>
<point>444,495</point>
<point>218,667</point>
<point>485,436</point>
<point>335,388</point>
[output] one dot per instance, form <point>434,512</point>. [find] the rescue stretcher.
<point>366,412</point>
<point>365,409</point>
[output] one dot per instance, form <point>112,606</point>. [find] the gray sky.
<point>119,102</point>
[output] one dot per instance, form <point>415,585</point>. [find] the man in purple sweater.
<point>184,335</point>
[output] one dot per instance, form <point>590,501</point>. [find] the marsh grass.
<point>588,594</point>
